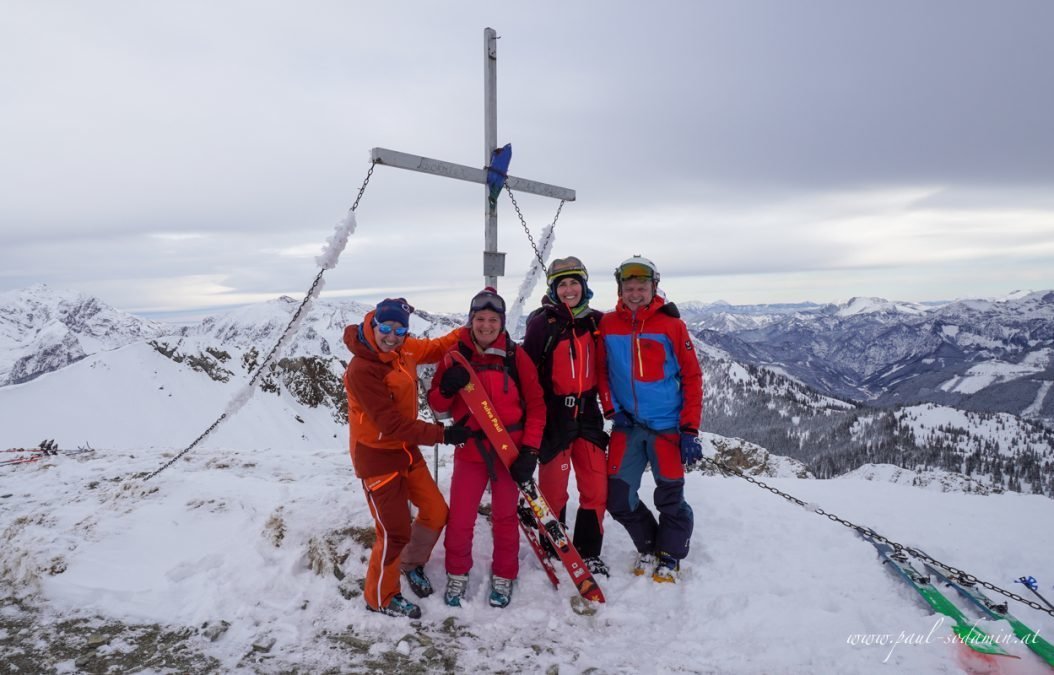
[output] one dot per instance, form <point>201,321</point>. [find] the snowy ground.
<point>252,537</point>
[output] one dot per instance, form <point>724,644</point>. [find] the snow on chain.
<point>336,242</point>
<point>530,280</point>
<point>331,252</point>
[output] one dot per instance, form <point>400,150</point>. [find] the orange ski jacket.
<point>382,396</point>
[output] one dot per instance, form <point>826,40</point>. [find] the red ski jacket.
<point>521,408</point>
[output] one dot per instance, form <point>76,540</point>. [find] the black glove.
<point>522,468</point>
<point>454,378</point>
<point>456,435</point>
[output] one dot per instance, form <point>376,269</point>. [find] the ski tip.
<point>591,591</point>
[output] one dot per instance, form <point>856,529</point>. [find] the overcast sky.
<point>172,156</point>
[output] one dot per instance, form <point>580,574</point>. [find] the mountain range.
<point>954,387</point>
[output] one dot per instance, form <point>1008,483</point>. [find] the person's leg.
<point>627,459</point>
<point>466,491</point>
<point>590,465</point>
<point>552,480</point>
<point>505,525</point>
<point>387,499</point>
<point>676,520</point>
<point>431,516</point>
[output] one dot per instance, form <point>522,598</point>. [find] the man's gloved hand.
<point>454,378</point>
<point>522,468</point>
<point>456,435</point>
<point>622,420</point>
<point>691,448</point>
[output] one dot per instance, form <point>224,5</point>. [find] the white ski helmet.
<point>637,267</point>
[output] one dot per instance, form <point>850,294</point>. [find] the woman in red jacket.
<point>561,339</point>
<point>511,381</point>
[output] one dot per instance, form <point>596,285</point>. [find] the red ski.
<point>529,527</point>
<point>481,407</point>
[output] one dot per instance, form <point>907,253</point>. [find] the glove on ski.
<point>522,468</point>
<point>454,378</point>
<point>691,448</point>
<point>456,435</point>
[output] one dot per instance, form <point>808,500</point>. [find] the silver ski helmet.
<point>637,267</point>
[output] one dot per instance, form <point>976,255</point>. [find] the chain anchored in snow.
<point>868,532</point>
<point>328,260</point>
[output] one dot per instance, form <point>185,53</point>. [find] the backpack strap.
<point>670,309</point>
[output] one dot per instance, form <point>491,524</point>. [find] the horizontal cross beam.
<point>467,173</point>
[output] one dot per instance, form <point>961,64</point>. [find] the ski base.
<point>973,637</point>
<point>995,610</point>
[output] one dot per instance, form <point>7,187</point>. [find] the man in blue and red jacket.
<point>651,386</point>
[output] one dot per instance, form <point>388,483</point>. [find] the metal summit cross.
<point>493,261</point>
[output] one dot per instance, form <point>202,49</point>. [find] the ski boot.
<point>500,591</point>
<point>456,585</point>
<point>666,572</point>
<point>597,566</point>
<point>645,563</point>
<point>419,583</point>
<point>398,606</point>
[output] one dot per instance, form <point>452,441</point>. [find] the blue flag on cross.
<point>498,171</point>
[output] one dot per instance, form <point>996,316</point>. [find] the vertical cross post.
<point>493,260</point>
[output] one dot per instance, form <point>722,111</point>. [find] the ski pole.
<point>1033,585</point>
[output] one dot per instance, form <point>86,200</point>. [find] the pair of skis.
<point>535,516</point>
<point>46,449</point>
<point>972,636</point>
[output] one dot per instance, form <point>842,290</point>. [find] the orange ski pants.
<point>403,542</point>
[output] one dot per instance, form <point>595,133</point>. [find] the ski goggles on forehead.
<point>386,329</point>
<point>635,271</point>
<point>492,302</point>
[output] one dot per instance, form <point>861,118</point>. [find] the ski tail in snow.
<point>545,521</point>
<point>994,610</point>
<point>972,636</point>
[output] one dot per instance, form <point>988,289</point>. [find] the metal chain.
<point>270,355</point>
<point>188,448</point>
<point>868,532</point>
<point>523,221</point>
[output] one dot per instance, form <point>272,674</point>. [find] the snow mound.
<point>930,479</point>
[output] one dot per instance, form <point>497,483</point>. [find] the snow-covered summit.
<point>859,305</point>
<point>42,329</point>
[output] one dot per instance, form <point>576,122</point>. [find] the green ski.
<point>995,610</point>
<point>972,637</point>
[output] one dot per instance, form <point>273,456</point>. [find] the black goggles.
<point>488,301</point>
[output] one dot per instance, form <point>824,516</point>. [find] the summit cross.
<point>493,260</point>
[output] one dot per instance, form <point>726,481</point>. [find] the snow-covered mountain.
<point>832,436</point>
<point>724,317</point>
<point>162,390</point>
<point>981,355</point>
<point>43,330</point>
